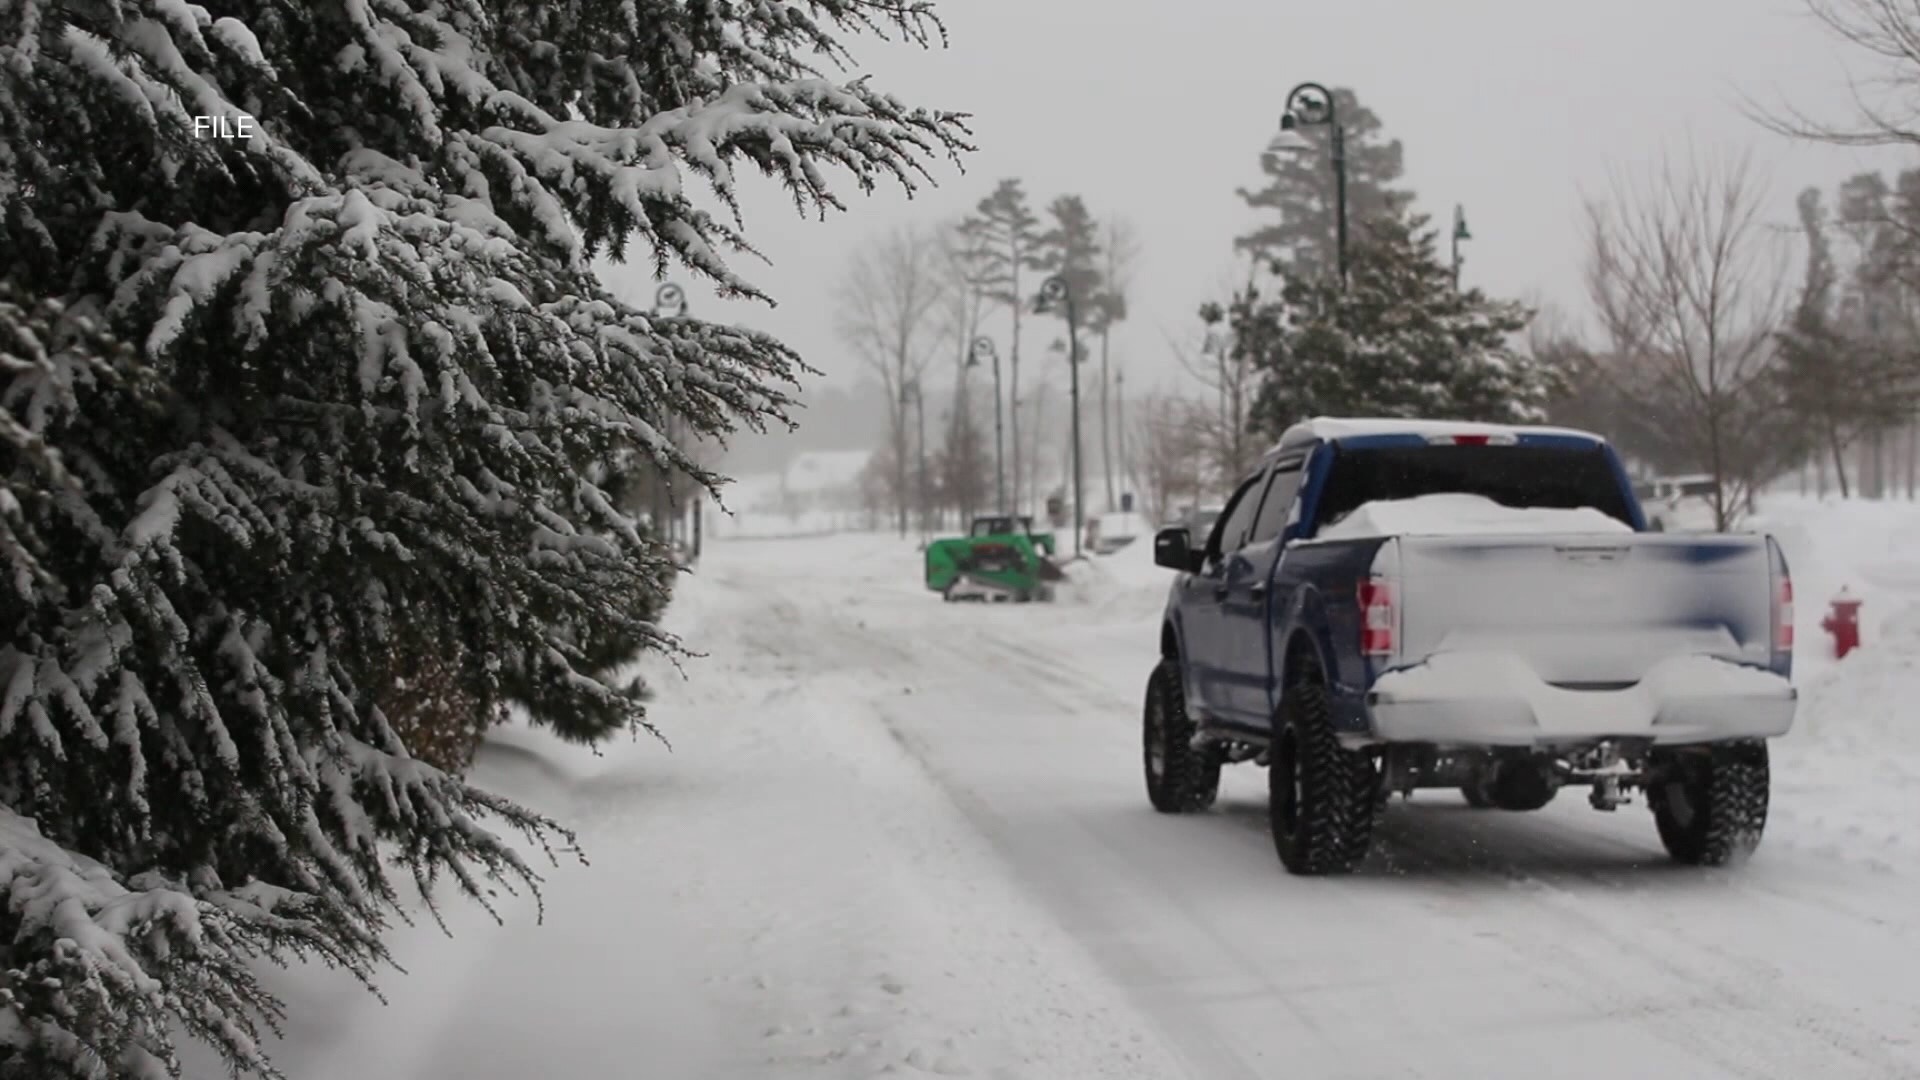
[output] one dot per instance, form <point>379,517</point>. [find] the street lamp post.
<point>1055,290</point>
<point>920,419</point>
<point>1459,233</point>
<point>1120,422</point>
<point>1311,105</point>
<point>671,300</point>
<point>984,347</point>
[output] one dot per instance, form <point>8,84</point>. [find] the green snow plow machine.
<point>1001,558</point>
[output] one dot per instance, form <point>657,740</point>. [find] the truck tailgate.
<point>1584,611</point>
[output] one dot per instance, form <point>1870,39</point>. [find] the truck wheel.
<point>1711,808</point>
<point>1180,778</point>
<point>1321,796</point>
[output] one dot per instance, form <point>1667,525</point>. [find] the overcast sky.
<point>1157,111</point>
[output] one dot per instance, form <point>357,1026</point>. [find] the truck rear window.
<point>1554,477</point>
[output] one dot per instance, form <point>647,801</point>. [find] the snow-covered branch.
<point>308,468</point>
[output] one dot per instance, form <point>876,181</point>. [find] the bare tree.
<point>1223,419</point>
<point>1232,382</point>
<point>1888,33</point>
<point>1690,286</point>
<point>887,306</point>
<point>1172,456</point>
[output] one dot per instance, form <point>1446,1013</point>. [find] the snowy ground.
<point>899,837</point>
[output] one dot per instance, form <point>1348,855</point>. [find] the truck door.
<point>1246,626</point>
<point>1203,643</point>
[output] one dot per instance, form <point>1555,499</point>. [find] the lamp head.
<point>1052,292</point>
<point>1289,141</point>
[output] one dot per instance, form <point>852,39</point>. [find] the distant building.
<point>815,473</point>
<point>818,491</point>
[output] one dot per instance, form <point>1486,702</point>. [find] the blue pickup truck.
<point>1390,605</point>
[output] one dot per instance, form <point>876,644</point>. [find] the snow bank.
<point>1133,565</point>
<point>1463,515</point>
<point>1124,585</point>
<point>1865,702</point>
<point>1848,776</point>
<point>1869,548</point>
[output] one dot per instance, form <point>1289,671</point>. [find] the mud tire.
<point>1711,806</point>
<point>1322,797</point>
<point>1181,779</point>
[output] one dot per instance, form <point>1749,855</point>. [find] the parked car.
<point>1196,519</point>
<point>1388,606</point>
<point>1108,533</point>
<point>1679,503</point>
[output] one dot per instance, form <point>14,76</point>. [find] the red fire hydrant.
<point>1843,622</point>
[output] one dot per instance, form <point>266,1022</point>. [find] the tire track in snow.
<point>1742,1012</point>
<point>857,654</point>
<point>1210,1054</point>
<point>1779,1026</point>
<point>1211,1029</point>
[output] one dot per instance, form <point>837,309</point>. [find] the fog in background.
<point>1157,112</point>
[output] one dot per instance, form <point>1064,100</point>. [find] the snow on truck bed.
<point>1464,515</point>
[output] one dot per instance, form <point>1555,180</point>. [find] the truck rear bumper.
<point>1492,699</point>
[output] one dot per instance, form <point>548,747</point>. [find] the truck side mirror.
<point>1173,549</point>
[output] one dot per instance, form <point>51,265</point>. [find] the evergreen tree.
<point>1071,250</point>
<point>1107,310</point>
<point>1836,373</point>
<point>1811,348</point>
<point>1400,342</point>
<point>1009,236</point>
<point>1300,191</point>
<point>281,416</point>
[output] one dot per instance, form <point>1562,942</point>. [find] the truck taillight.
<point>1783,617</point>
<point>1491,438</point>
<point>1376,617</point>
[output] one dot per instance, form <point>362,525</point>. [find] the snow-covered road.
<point>898,834</point>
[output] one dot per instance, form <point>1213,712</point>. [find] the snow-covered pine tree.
<point>1071,249</point>
<point>1400,341</point>
<point>266,401</point>
<point>1300,190</point>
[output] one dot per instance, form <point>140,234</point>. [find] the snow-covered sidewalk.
<point>784,894</point>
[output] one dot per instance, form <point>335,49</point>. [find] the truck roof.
<point>1333,429</point>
